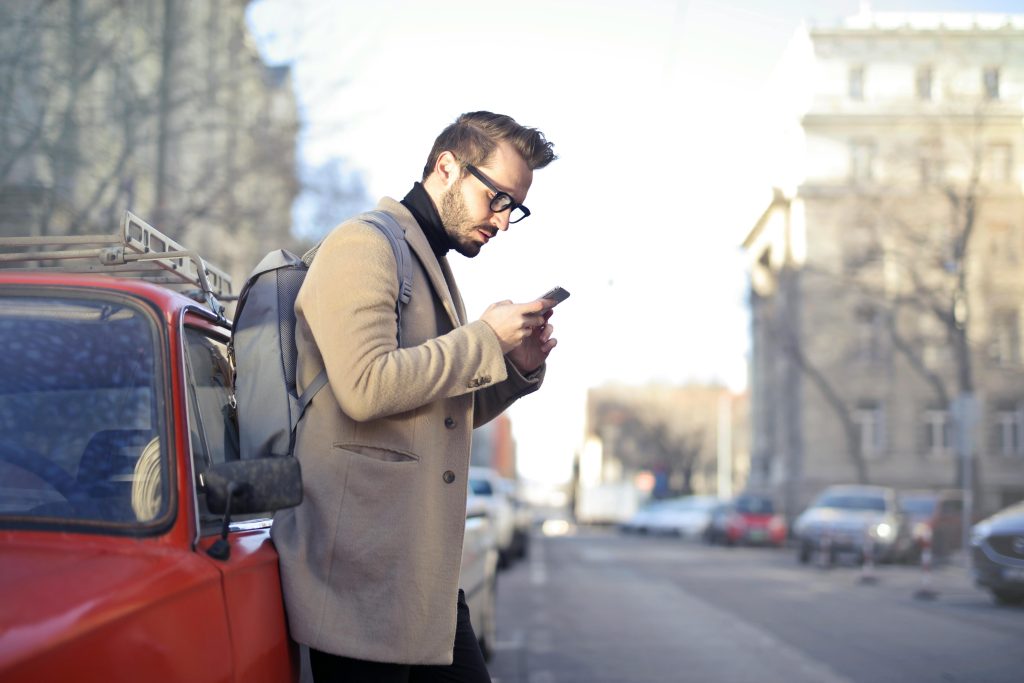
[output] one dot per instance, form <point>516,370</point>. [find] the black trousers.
<point>467,662</point>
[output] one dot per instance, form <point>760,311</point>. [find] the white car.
<point>491,488</point>
<point>479,575</point>
<point>687,516</point>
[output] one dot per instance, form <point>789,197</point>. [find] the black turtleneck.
<point>423,210</point>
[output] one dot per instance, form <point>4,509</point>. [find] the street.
<point>595,605</point>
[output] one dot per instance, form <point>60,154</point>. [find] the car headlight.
<point>883,530</point>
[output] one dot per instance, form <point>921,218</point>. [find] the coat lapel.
<point>440,276</point>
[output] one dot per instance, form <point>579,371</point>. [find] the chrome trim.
<point>251,524</point>
<point>183,374</point>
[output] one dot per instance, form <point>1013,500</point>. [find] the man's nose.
<point>500,220</point>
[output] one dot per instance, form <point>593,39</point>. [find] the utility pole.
<point>965,416</point>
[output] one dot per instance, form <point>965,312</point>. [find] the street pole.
<point>965,415</point>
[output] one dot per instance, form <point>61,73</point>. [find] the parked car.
<point>935,519</point>
<point>997,554</point>
<point>687,516</point>
<point>479,575</point>
<point>523,519</point>
<point>748,519</point>
<point>121,558</point>
<point>853,519</point>
<point>116,457</point>
<point>490,487</point>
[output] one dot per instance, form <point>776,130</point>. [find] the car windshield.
<point>79,415</point>
<point>754,506</point>
<point>922,506</point>
<point>481,487</point>
<point>852,501</point>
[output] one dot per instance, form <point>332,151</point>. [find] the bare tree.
<point>159,106</point>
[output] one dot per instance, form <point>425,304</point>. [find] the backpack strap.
<point>387,224</point>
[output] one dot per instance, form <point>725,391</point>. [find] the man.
<point>370,559</point>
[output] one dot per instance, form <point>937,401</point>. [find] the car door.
<point>261,650</point>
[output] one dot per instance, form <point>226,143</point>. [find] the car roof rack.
<point>136,250</point>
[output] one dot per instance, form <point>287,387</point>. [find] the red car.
<point>116,459</point>
<point>749,519</point>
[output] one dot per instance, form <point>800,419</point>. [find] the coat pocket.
<point>377,453</point>
<point>377,529</point>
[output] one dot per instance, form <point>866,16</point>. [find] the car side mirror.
<point>259,485</point>
<point>242,487</point>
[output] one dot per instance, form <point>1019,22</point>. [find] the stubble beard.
<point>457,223</point>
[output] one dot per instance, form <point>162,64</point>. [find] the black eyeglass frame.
<point>499,197</point>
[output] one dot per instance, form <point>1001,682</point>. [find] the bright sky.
<point>658,112</point>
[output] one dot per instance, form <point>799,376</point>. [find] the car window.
<point>212,432</point>
<point>481,487</point>
<point>951,507</point>
<point>754,506</point>
<point>81,418</point>
<point>922,506</point>
<point>843,501</point>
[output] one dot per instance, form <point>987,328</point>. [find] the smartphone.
<point>557,294</point>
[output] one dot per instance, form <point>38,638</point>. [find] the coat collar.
<point>438,271</point>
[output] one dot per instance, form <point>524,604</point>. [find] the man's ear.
<point>447,168</point>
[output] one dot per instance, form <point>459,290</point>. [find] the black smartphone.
<point>556,294</point>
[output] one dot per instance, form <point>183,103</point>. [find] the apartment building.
<point>886,286</point>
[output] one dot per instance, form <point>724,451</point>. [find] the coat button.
<point>449,422</point>
<point>448,476</point>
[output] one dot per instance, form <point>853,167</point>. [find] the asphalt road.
<point>597,606</point>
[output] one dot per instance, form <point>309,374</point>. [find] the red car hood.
<point>756,520</point>
<point>55,590</point>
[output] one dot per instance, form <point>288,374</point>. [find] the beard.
<point>457,222</point>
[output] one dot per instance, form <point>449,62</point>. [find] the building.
<point>886,279</point>
<point>161,107</point>
<point>495,447</point>
<point>659,441</point>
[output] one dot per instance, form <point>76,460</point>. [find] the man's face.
<point>465,206</point>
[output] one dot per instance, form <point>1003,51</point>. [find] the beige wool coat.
<point>370,559</point>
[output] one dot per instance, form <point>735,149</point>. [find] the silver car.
<point>853,519</point>
<point>997,554</point>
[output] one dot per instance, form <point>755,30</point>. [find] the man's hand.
<point>534,350</point>
<point>523,332</point>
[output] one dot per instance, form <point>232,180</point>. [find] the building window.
<point>1008,429</point>
<point>937,432</point>
<point>870,421</point>
<point>990,79</point>
<point>870,335</point>
<point>997,164</point>
<point>1005,245</point>
<point>856,83</point>
<point>862,160</point>
<point>1006,337</point>
<point>924,82</point>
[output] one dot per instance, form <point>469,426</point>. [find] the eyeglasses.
<point>501,201</point>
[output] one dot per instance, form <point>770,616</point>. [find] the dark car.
<point>997,554</point>
<point>936,521</point>
<point>854,519</point>
<point>749,519</point>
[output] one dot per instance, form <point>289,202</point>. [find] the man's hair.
<point>474,136</point>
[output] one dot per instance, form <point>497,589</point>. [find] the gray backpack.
<point>263,344</point>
